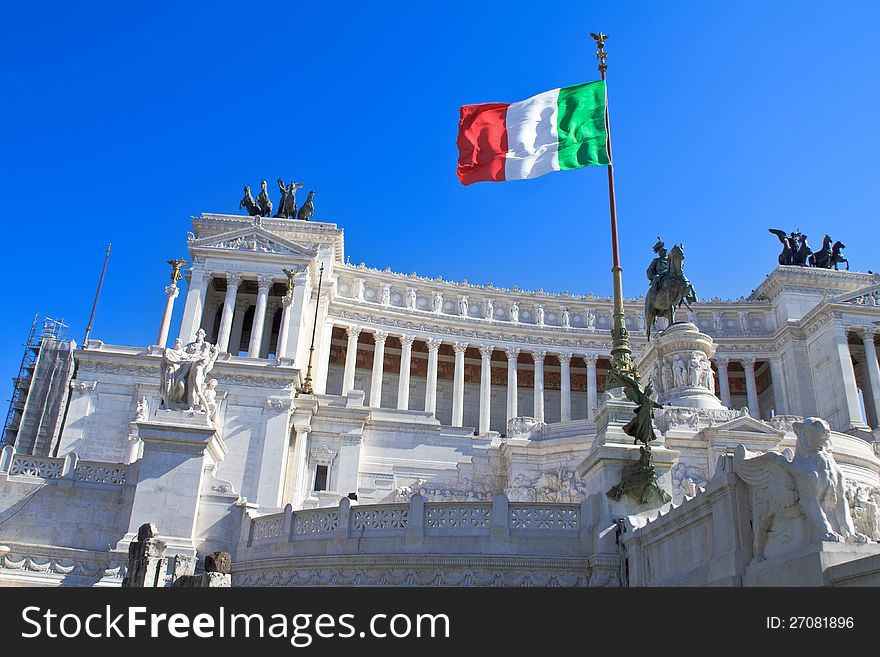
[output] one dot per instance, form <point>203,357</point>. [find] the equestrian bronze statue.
<point>670,288</point>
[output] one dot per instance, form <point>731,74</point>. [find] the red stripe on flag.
<point>482,142</point>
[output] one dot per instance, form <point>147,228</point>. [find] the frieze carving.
<point>279,405</point>
<point>673,417</point>
<point>83,387</point>
<point>18,560</point>
<point>428,576</point>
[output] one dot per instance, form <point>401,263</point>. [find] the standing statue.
<point>263,200</point>
<point>489,309</point>
<point>463,306</point>
<point>669,288</point>
<point>639,479</point>
<point>679,373</point>
<point>182,382</point>
<point>287,204</point>
<point>590,319</point>
<point>795,250</point>
<point>566,317</point>
<point>514,312</point>
<point>411,298</point>
<point>248,203</point>
<point>695,372</point>
<point>308,208</point>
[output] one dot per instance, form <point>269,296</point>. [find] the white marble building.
<point>467,421</point>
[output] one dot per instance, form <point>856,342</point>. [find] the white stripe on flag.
<point>532,137</point>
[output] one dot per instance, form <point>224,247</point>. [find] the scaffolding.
<point>54,329</point>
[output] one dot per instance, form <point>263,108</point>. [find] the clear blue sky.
<point>119,122</point>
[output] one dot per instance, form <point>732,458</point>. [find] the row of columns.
<point>459,348</point>
<point>231,316</point>
<point>871,375</point>
<point>748,365</point>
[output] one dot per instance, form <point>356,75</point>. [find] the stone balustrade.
<point>68,467</point>
<point>417,522</point>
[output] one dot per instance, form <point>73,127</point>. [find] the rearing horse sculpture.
<point>673,290</point>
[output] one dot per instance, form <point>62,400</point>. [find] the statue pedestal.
<point>177,448</point>
<point>677,364</point>
<point>807,566</point>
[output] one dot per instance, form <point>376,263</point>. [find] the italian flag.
<point>553,131</point>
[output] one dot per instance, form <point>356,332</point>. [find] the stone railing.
<point>418,522</point>
<point>484,543</point>
<point>68,467</point>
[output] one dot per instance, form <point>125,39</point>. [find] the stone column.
<point>431,384</point>
<point>512,405</point>
<point>565,387</point>
<point>195,304</point>
<point>171,293</point>
<point>232,281</point>
<point>592,387</point>
<point>723,379</point>
<point>284,330</point>
<point>751,387</point>
<point>406,342</point>
<point>780,404</point>
<point>873,367</point>
<point>841,353</point>
<point>458,384</point>
<point>241,308</point>
<point>538,358</point>
<point>378,368</point>
<point>350,359</point>
<point>271,309</point>
<point>485,386</point>
<point>264,285</point>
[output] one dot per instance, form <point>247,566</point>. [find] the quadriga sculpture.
<point>806,486</point>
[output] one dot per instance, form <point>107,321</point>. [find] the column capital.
<point>540,354</point>
<point>722,361</point>
<point>512,353</point>
<point>380,336</point>
<point>172,291</point>
<point>486,350</point>
<point>433,343</point>
<point>564,357</point>
<point>264,282</point>
<point>591,359</point>
<point>459,347</point>
<point>353,332</point>
<point>233,279</point>
<point>748,362</point>
<point>866,333</point>
<point>207,276</point>
<point>406,340</point>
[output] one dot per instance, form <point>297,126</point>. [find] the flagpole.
<point>97,294</point>
<point>621,352</point>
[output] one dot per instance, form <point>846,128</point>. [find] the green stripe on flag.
<point>583,139</point>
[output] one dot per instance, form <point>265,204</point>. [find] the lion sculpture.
<point>803,487</point>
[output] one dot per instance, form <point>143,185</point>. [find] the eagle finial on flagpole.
<point>601,55</point>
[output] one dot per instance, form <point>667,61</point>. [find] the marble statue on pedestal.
<point>182,384</point>
<point>807,485</point>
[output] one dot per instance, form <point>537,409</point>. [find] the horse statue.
<point>669,292</point>
<point>263,200</point>
<point>248,203</point>
<point>837,256</point>
<point>822,257</point>
<point>307,209</point>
